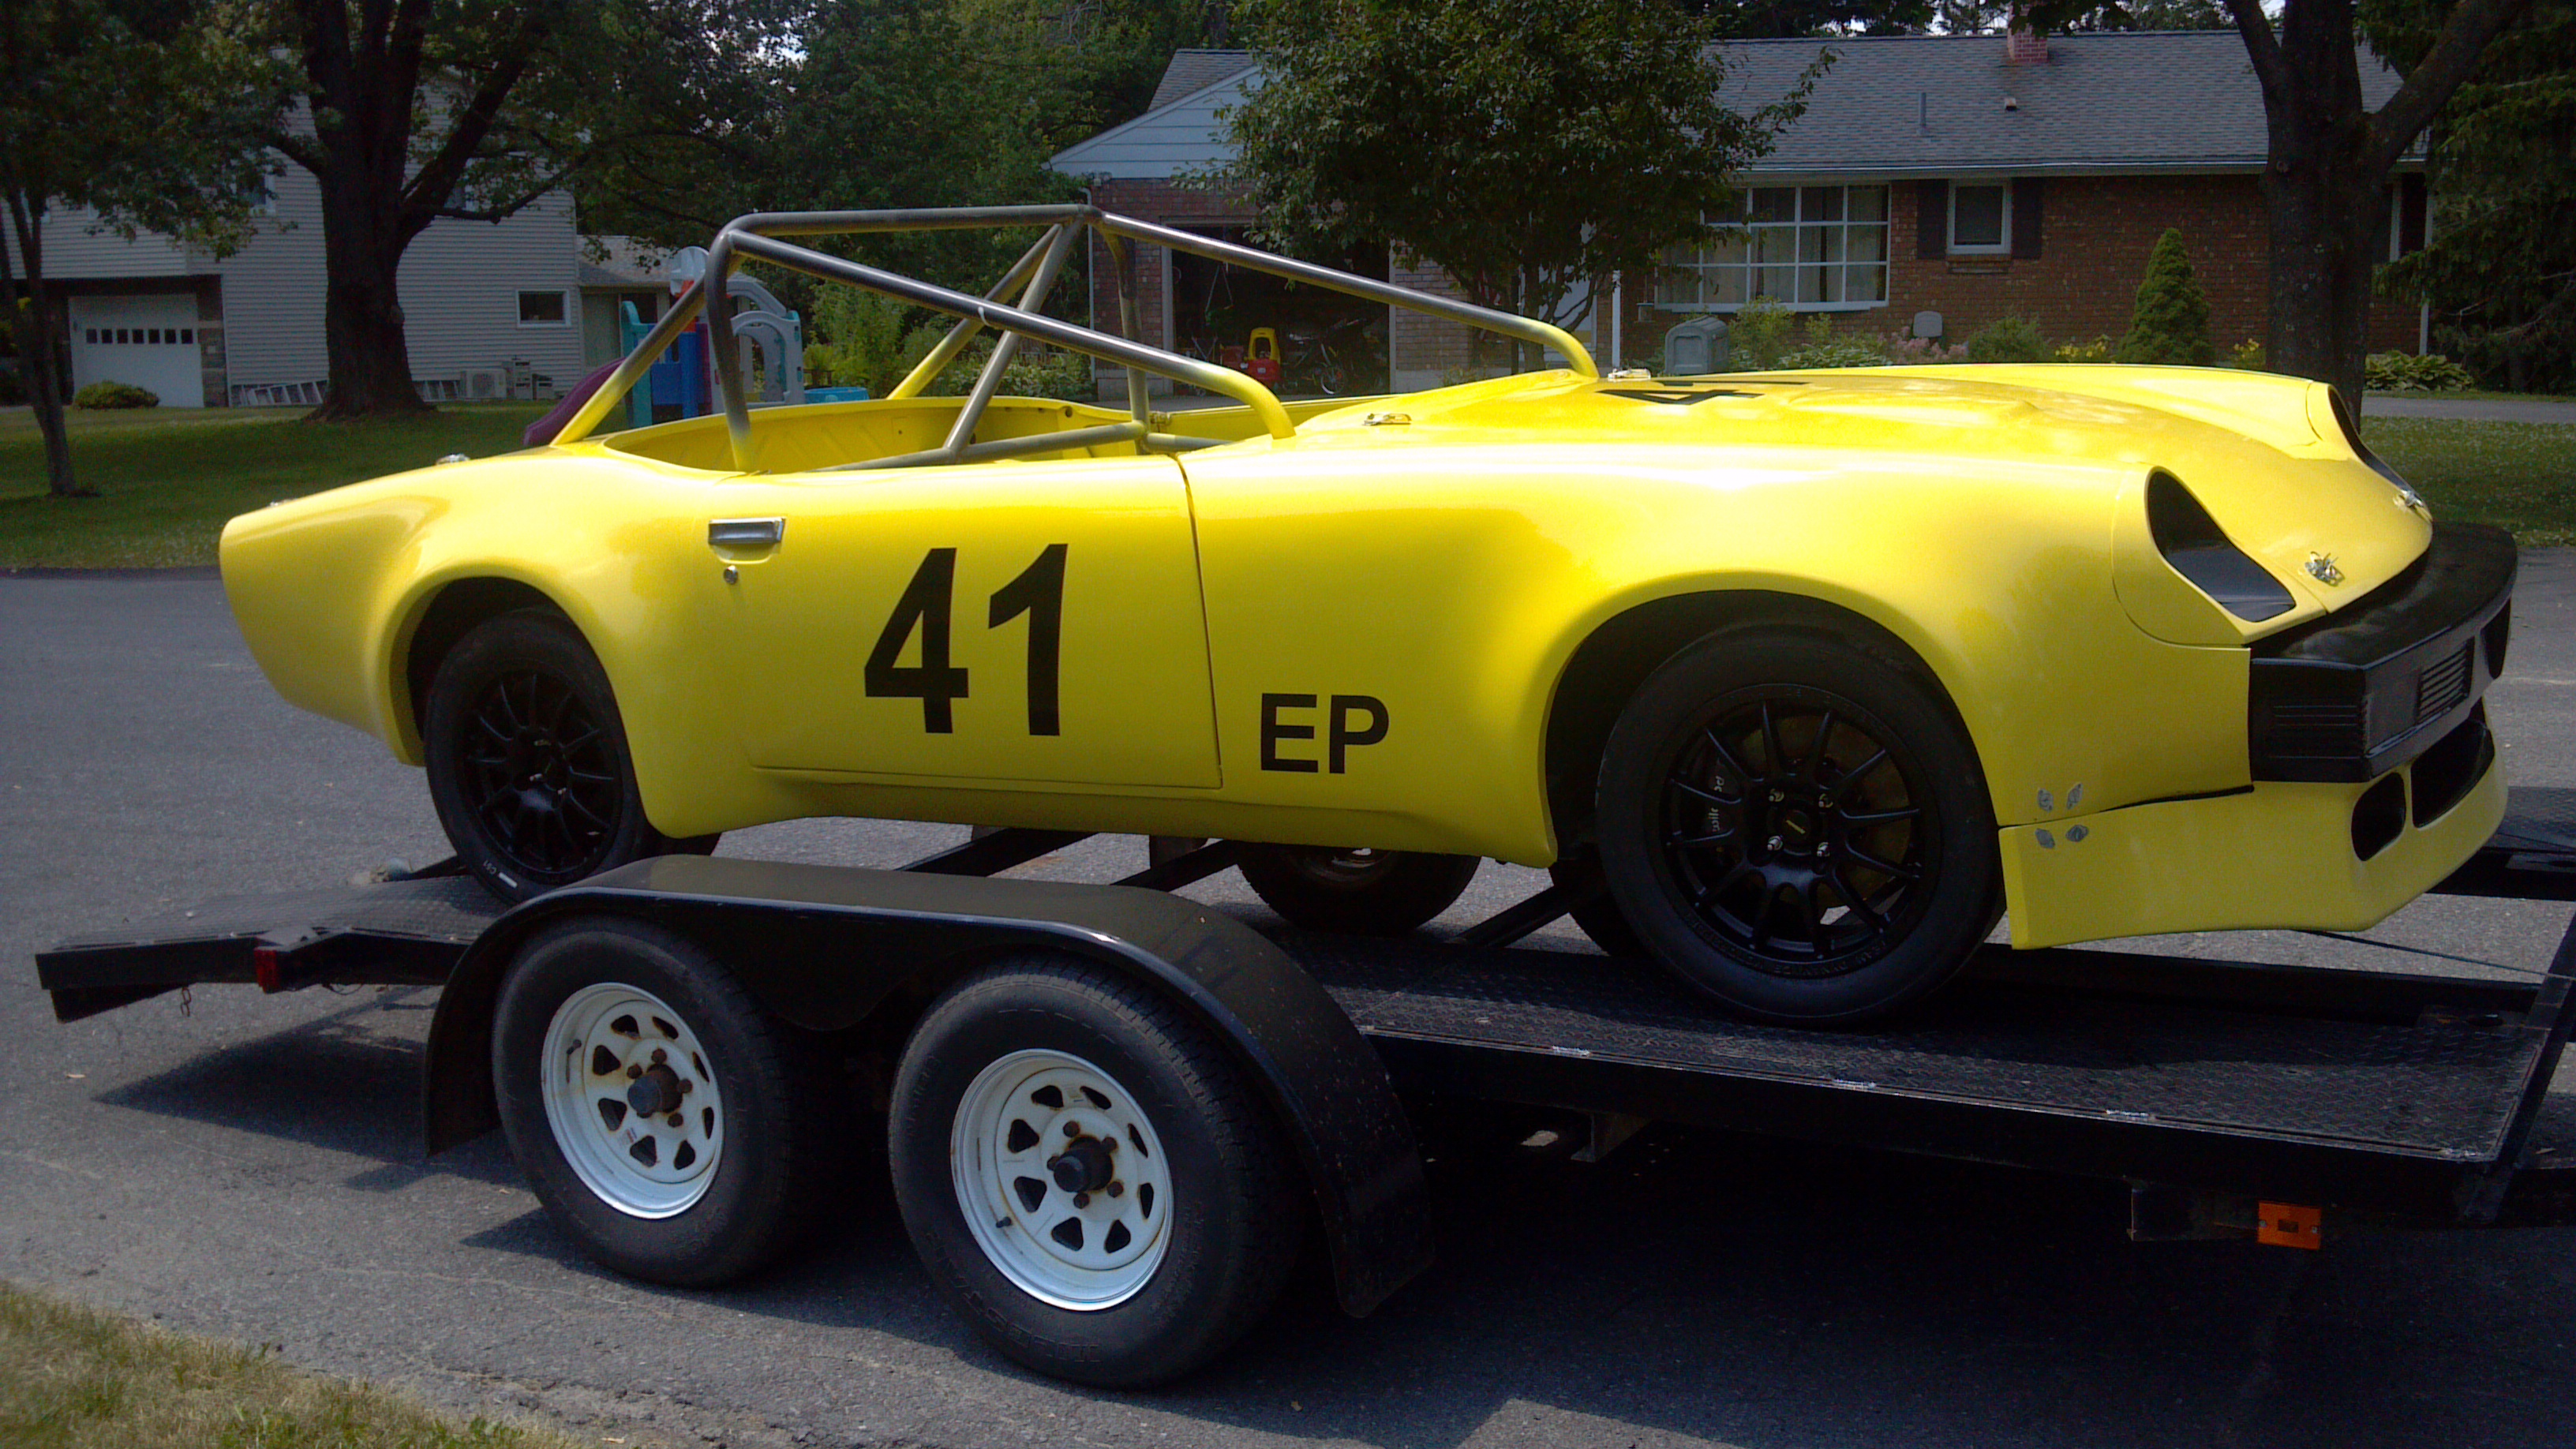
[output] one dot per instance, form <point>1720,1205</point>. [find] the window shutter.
<point>2027,195</point>
<point>2410,212</point>
<point>1932,218</point>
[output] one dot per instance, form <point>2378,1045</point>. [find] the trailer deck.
<point>2412,1096</point>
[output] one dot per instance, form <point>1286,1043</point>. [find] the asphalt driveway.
<point>247,1166</point>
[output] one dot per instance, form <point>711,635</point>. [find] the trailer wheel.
<point>671,1127</point>
<point>527,757</point>
<point>1087,1176</point>
<point>1362,892</point>
<point>1797,827</point>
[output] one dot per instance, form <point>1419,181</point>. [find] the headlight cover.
<point>2192,542</point>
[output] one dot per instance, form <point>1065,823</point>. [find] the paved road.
<point>2480,410</point>
<point>246,1166</point>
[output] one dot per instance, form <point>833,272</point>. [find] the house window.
<point>543,309</point>
<point>1980,218</point>
<point>1814,247</point>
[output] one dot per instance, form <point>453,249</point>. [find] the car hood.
<point>2269,457</point>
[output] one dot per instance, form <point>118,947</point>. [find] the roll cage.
<point>759,236</point>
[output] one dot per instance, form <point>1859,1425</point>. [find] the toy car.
<point>1816,673</point>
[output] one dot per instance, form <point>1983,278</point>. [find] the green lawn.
<point>75,1378</point>
<point>2521,475</point>
<point>169,478</point>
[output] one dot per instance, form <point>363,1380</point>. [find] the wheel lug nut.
<point>633,1071</point>
<point>1072,1129</point>
<point>685,1086</point>
<point>671,1121</point>
<point>1082,1199</point>
<point>1117,1189</point>
<point>1774,843</point>
<point>1777,797</point>
<point>658,1056</point>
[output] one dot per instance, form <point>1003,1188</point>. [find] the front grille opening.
<point>2447,772</point>
<point>2192,542</point>
<point>2499,633</point>
<point>2378,816</point>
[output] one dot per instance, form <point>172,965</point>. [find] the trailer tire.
<point>1087,1176</point>
<point>595,1015</point>
<point>1359,892</point>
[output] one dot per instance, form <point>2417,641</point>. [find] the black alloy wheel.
<point>1798,827</point>
<point>1797,830</point>
<point>528,764</point>
<point>541,775</point>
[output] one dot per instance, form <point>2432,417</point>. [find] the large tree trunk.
<point>362,316</point>
<point>2329,224</point>
<point>40,358</point>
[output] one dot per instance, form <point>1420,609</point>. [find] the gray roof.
<point>2139,101</point>
<point>1192,70</point>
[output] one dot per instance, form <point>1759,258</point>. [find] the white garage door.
<point>149,341</point>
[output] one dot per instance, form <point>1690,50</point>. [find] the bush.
<point>1821,348</point>
<point>2097,350</point>
<point>858,341</point>
<point>2008,339</point>
<point>1917,351</point>
<point>2246,356</point>
<point>2171,323</point>
<point>1044,372</point>
<point>1759,335</point>
<point>115,395</point>
<point>2405,372</point>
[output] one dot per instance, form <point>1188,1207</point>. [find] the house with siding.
<point>1934,185</point>
<point>483,302</point>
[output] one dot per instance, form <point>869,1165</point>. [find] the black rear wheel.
<point>1797,827</point>
<point>1363,892</point>
<point>528,765</point>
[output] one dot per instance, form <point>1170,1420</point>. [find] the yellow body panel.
<point>1355,636</point>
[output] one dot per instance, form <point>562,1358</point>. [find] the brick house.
<point>1969,177</point>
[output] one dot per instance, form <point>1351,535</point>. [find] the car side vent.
<point>2192,542</point>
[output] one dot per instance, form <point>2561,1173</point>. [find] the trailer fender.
<point>822,947</point>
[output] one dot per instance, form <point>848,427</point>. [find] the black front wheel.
<point>1798,827</point>
<point>528,765</point>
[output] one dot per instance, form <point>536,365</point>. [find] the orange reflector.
<point>264,969</point>
<point>2285,1226</point>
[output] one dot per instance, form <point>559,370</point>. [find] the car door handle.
<point>745,534</point>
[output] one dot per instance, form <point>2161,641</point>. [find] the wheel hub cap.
<point>1061,1180</point>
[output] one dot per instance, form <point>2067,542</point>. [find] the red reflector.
<point>2285,1225</point>
<point>265,970</point>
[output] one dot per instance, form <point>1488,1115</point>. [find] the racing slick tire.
<point>674,1130</point>
<point>528,765</point>
<point>1798,827</point>
<point>1359,892</point>
<point>1087,1175</point>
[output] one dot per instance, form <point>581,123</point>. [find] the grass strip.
<point>2520,475</point>
<point>77,1378</point>
<point>167,483</point>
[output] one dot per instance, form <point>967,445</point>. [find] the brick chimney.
<point>2025,46</point>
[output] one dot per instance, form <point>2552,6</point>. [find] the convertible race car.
<point>1814,674</point>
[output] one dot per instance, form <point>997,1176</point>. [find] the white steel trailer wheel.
<point>631,1100</point>
<point>1061,1180</point>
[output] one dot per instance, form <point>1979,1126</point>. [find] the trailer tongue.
<point>2237,1099</point>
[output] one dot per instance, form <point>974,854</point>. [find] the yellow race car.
<point>1813,673</point>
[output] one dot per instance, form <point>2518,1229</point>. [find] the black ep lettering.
<point>1273,730</point>
<point>1344,738</point>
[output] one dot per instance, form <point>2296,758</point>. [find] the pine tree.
<point>2171,324</point>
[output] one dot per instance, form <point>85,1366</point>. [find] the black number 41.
<point>1038,592</point>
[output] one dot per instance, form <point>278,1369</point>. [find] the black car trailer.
<point>2286,1104</point>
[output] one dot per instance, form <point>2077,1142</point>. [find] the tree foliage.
<point>147,111</point>
<point>1521,148</point>
<point>2500,261</point>
<point>2170,325</point>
